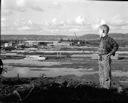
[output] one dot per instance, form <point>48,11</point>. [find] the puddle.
<point>48,71</point>
<point>120,73</point>
<point>36,72</point>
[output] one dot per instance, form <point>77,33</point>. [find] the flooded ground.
<point>52,68</point>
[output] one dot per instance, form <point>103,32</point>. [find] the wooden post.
<point>18,76</point>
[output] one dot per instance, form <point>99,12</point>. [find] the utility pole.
<point>75,35</point>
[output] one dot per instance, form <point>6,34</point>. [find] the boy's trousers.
<point>105,71</point>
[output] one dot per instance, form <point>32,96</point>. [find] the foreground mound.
<point>57,89</point>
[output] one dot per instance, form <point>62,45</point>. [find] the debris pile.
<point>56,89</point>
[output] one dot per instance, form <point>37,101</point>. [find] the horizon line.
<point>63,34</point>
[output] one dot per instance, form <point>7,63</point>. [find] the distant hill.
<point>89,36</point>
<point>114,35</point>
<point>119,36</point>
<point>32,37</point>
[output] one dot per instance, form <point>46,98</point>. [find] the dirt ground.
<point>69,88</point>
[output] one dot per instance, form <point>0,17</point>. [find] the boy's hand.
<point>96,52</point>
<point>100,58</point>
<point>108,55</point>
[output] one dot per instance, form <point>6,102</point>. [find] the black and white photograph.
<point>63,51</point>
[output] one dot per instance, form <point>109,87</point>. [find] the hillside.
<point>31,37</point>
<point>114,35</point>
<point>58,37</point>
<point>89,36</point>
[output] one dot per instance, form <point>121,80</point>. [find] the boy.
<point>107,47</point>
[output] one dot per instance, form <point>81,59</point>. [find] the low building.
<point>63,44</point>
<point>39,43</point>
<point>30,43</point>
<point>9,44</point>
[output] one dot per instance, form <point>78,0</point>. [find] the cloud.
<point>20,3</point>
<point>6,12</point>
<point>74,29</point>
<point>3,19</point>
<point>29,22</point>
<point>20,24</point>
<point>80,20</point>
<point>97,23</point>
<point>68,0</point>
<point>124,27</point>
<point>27,25</point>
<point>57,4</point>
<point>117,20</point>
<point>21,6</point>
<point>13,5</point>
<point>24,28</point>
<point>36,8</point>
<point>56,22</point>
<point>2,3</point>
<point>119,23</point>
<point>102,22</point>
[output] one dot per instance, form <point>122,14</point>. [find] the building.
<point>62,44</point>
<point>39,43</point>
<point>30,43</point>
<point>9,44</point>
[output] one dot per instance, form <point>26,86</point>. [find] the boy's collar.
<point>105,36</point>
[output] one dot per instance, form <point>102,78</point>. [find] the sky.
<point>62,17</point>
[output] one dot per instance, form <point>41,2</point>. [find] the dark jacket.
<point>107,46</point>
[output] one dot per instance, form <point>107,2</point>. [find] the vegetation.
<point>57,89</point>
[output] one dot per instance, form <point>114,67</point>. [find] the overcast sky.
<point>62,17</point>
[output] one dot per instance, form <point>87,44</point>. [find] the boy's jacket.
<point>107,46</point>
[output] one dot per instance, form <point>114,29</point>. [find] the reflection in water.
<point>51,72</point>
<point>48,70</point>
<point>36,72</point>
<point>32,68</point>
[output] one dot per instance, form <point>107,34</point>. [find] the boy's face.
<point>102,32</point>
